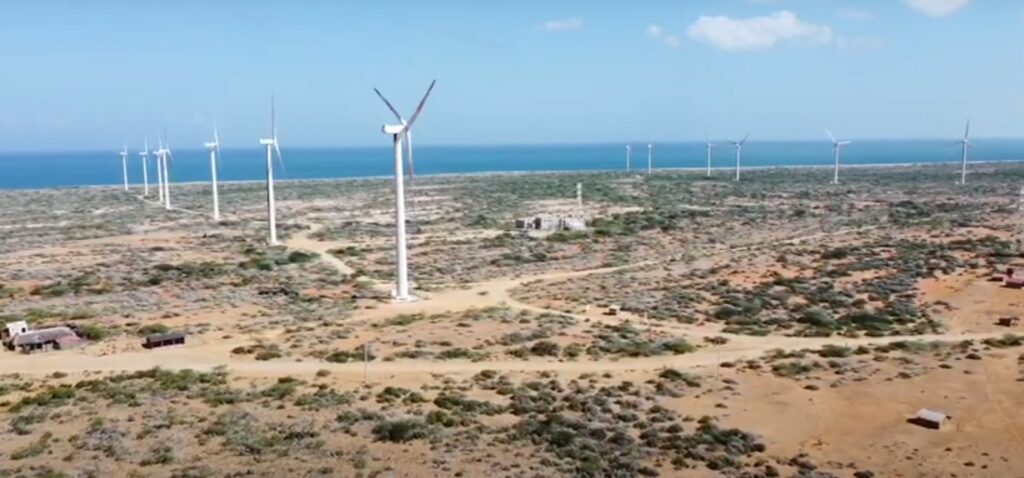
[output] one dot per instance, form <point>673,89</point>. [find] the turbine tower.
<point>650,158</point>
<point>710,146</point>
<point>579,197</point>
<point>739,151</point>
<point>214,148</point>
<point>272,146</point>
<point>836,146</point>
<point>965,143</point>
<point>145,167</point>
<point>159,168</point>
<point>165,154</point>
<point>629,157</point>
<point>124,166</point>
<point>399,133</point>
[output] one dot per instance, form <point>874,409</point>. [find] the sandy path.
<point>303,241</point>
<point>484,294</point>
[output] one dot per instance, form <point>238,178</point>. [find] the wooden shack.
<point>164,340</point>
<point>1008,321</point>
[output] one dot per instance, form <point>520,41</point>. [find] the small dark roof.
<point>166,336</point>
<point>42,336</point>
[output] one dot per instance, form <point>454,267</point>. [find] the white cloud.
<point>571,23</point>
<point>856,14</point>
<point>937,8</point>
<point>658,33</point>
<point>757,33</point>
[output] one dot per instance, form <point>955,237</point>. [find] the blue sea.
<point>66,169</point>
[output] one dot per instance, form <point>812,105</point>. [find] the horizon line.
<point>753,139</point>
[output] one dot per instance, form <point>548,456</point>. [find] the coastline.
<point>636,171</point>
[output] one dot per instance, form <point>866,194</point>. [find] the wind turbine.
<point>271,145</point>
<point>159,167</point>
<point>965,143</point>
<point>145,168</point>
<point>124,166</point>
<point>650,158</point>
<point>398,133</point>
<point>836,146</point>
<point>165,153</point>
<point>739,151</point>
<point>629,157</point>
<point>710,146</point>
<point>214,152</point>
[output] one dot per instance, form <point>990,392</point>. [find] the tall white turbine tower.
<point>145,167</point>
<point>165,155</point>
<point>629,157</point>
<point>124,166</point>
<point>650,158</point>
<point>159,168</point>
<point>272,146</point>
<point>214,148</point>
<point>739,151</point>
<point>579,197</point>
<point>836,146</point>
<point>710,146</point>
<point>965,143</point>
<point>398,133</point>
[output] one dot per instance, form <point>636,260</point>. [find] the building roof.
<point>42,336</point>
<point>931,415</point>
<point>165,336</point>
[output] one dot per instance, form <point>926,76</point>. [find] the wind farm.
<point>520,300</point>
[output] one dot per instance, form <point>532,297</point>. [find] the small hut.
<point>163,340</point>
<point>13,329</point>
<point>1008,321</point>
<point>930,419</point>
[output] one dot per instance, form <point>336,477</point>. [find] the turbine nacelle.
<point>393,129</point>
<point>210,145</point>
<point>267,142</point>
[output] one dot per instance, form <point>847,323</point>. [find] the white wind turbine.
<point>272,146</point>
<point>965,143</point>
<point>145,167</point>
<point>739,151</point>
<point>124,166</point>
<point>165,154</point>
<point>650,158</point>
<point>836,146</point>
<point>399,133</point>
<point>214,148</point>
<point>629,157</point>
<point>159,168</point>
<point>710,146</point>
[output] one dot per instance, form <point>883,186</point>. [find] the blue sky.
<point>90,74</point>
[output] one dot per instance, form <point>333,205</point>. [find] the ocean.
<point>68,169</point>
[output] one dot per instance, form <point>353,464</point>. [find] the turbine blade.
<point>967,130</point>
<point>744,140</point>
<point>390,107</point>
<point>831,136</point>
<point>419,107</point>
<point>216,137</point>
<point>844,143</point>
<point>273,118</point>
<point>284,172</point>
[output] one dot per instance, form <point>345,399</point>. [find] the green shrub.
<point>401,430</point>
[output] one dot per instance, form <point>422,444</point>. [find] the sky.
<point>91,75</point>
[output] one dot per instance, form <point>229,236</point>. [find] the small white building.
<point>13,329</point>
<point>930,419</point>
